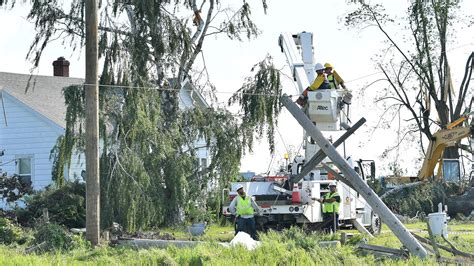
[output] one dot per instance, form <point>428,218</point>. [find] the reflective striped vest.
<point>330,207</point>
<point>332,82</point>
<point>244,206</point>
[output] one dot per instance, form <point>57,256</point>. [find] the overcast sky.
<point>351,51</point>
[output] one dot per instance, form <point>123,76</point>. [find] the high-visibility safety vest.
<point>330,207</point>
<point>244,206</point>
<point>332,82</point>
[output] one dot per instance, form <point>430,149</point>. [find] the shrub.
<point>13,188</point>
<point>9,232</point>
<point>66,206</point>
<point>54,236</point>
<point>79,242</point>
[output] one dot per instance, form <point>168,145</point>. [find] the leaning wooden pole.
<point>92,125</point>
<point>356,181</point>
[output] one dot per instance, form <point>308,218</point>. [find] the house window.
<point>24,169</point>
<point>203,163</point>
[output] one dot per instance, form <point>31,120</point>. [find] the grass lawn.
<point>213,233</point>
<point>291,247</point>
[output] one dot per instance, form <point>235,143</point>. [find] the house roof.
<point>189,98</point>
<point>44,94</point>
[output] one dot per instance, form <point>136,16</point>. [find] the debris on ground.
<point>330,244</point>
<point>155,243</point>
<point>148,235</point>
<point>380,251</point>
<point>246,240</point>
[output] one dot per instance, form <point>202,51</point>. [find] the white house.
<point>31,122</point>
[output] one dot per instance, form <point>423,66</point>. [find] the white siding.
<point>27,134</point>
<point>78,163</point>
<point>185,100</point>
<point>202,151</point>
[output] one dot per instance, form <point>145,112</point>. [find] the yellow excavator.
<point>442,139</point>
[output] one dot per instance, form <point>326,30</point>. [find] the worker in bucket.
<point>320,82</point>
<point>244,208</point>
<point>330,202</point>
<point>335,81</point>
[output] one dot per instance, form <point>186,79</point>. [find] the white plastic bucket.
<point>438,223</point>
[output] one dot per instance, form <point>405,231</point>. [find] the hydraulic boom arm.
<point>441,139</point>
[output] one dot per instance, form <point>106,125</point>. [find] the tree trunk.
<point>461,204</point>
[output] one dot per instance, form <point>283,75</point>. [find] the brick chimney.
<point>61,67</point>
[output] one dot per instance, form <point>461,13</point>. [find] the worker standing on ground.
<point>331,201</point>
<point>244,207</point>
<point>319,83</point>
<point>333,77</point>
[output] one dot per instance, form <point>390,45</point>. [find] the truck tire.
<point>375,226</point>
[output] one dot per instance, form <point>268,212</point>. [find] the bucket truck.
<point>290,197</point>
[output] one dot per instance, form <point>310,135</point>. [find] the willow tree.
<point>149,50</point>
<point>417,70</point>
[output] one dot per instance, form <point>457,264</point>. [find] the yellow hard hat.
<point>327,65</point>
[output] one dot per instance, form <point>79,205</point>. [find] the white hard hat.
<point>318,66</point>
<point>239,186</point>
<point>332,184</point>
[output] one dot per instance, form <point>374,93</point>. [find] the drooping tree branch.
<point>148,161</point>
<point>259,99</point>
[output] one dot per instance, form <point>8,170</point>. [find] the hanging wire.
<point>169,89</point>
<point>228,92</point>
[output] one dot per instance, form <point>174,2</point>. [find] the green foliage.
<point>79,241</point>
<point>396,169</point>
<point>259,99</point>
<point>413,200</point>
<point>148,168</point>
<point>197,214</point>
<point>54,237</point>
<point>66,206</point>
<point>290,247</point>
<point>158,38</point>
<point>9,232</point>
<point>61,152</point>
<point>376,186</point>
<point>14,188</point>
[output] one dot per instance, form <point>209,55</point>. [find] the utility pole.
<point>92,125</point>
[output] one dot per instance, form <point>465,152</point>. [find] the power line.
<point>379,72</point>
<point>170,89</point>
<point>228,92</point>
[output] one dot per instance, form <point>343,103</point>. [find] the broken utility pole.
<point>92,125</point>
<point>320,156</point>
<point>356,181</point>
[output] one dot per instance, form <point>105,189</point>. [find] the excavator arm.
<point>441,139</point>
